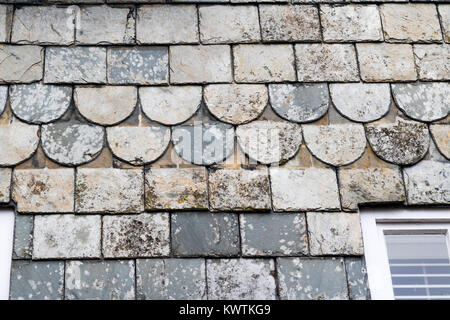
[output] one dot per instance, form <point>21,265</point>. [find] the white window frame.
<point>374,224</point>
<point>6,247</point>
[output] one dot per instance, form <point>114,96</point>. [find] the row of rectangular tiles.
<point>191,279</point>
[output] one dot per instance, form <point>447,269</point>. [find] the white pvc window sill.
<point>6,246</point>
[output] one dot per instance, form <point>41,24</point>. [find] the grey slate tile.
<point>357,279</point>
<point>23,237</point>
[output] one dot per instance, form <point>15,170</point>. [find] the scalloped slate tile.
<point>441,136</point>
<point>170,105</point>
<point>423,101</point>
<point>3,97</point>
<point>236,103</point>
<point>72,143</point>
<point>361,102</point>
<point>39,103</point>
<point>5,184</point>
<point>299,102</point>
<point>335,144</point>
<point>404,142</point>
<point>269,141</point>
<point>18,141</point>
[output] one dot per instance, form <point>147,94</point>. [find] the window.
<point>407,253</point>
<point>6,243</point>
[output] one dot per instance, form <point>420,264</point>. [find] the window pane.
<point>420,266</point>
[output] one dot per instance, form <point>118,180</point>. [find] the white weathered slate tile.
<point>5,184</point>
<point>21,64</point>
<point>6,14</point>
<point>433,61</point>
<point>444,14</point>
<point>441,136</point>
<point>26,141</point>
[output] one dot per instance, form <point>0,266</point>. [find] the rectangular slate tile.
<point>444,15</point>
<point>5,22</point>
<point>433,61</point>
<point>23,237</point>
<point>21,64</point>
<point>357,279</point>
<point>5,184</point>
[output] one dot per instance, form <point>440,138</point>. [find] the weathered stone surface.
<point>386,62</point>
<point>43,190</point>
<point>241,279</point>
<point>358,287</point>
<point>428,101</point>
<point>23,237</point>
<point>204,143</point>
<point>304,189</point>
<point>32,24</point>
<point>21,64</point>
<point>72,143</point>
<point>299,102</point>
<point>161,24</point>
<point>109,190</point>
<point>427,183</point>
<point>433,61</point>
<point>3,97</point>
<point>205,234</point>
<point>312,279</point>
<point>106,105</point>
<point>361,102</point>
<point>138,65</point>
<point>75,65</point>
<point>334,233</point>
<point>5,184</point>
<point>170,105</point>
<point>18,141</point>
<point>444,13</point>
<point>105,25</point>
<point>37,280</point>
<point>200,64</point>
<point>171,279</point>
<point>269,141</point>
<point>236,103</point>
<point>144,235</point>
<point>250,190</point>
<point>66,236</point>
<point>289,23</point>
<point>441,136</point>
<point>39,103</point>
<point>100,280</point>
<point>228,24</point>
<point>326,62</point>
<point>410,22</point>
<point>5,22</point>
<point>273,234</point>
<point>263,63</point>
<point>176,189</point>
<point>403,142</point>
<point>370,185</point>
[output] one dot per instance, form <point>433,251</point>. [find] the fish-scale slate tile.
<point>5,184</point>
<point>203,143</point>
<point>289,23</point>
<point>167,24</point>
<point>268,141</point>
<point>228,24</point>
<point>433,61</point>
<point>317,62</point>
<point>402,142</point>
<point>144,235</point>
<point>25,138</point>
<point>75,65</point>
<point>334,233</point>
<point>241,279</point>
<point>109,190</point>
<point>427,101</point>
<point>441,136</point>
<point>23,237</point>
<point>32,24</point>
<point>106,105</point>
<point>416,22</point>
<point>66,236</point>
<point>384,62</point>
<point>39,103</point>
<point>263,63</point>
<point>100,280</point>
<point>138,65</point>
<point>73,142</point>
<point>21,64</point>
<point>170,105</point>
<point>3,97</point>
<point>205,234</point>
<point>352,22</point>
<point>6,14</point>
<point>427,183</point>
<point>370,185</point>
<point>361,102</point>
<point>444,14</point>
<point>308,189</point>
<point>250,190</point>
<point>200,64</point>
<point>37,280</point>
<point>358,287</point>
<point>236,103</point>
<point>273,234</point>
<point>105,25</point>
<point>176,189</point>
<point>299,102</point>
<point>335,144</point>
<point>43,190</point>
<point>312,279</point>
